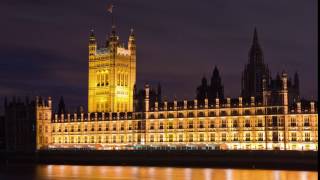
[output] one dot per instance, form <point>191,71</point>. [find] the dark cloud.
<point>43,47</point>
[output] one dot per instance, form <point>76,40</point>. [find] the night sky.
<point>43,44</point>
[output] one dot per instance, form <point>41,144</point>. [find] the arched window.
<point>102,79</point>
<point>106,79</point>
<point>118,79</point>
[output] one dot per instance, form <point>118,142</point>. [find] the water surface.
<point>79,172</point>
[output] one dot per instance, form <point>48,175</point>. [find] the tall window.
<point>293,122</point>
<point>121,79</point>
<point>126,80</point>
<point>190,137</point>
<point>260,136</point>
<point>223,137</point>
<point>235,137</point>
<point>151,125</point>
<point>190,123</point>
<point>118,79</point>
<point>306,121</point>
<point>102,80</point>
<point>235,123</point>
<point>223,123</point>
<point>247,123</point>
<point>247,136</point>
<point>170,124</point>
<point>294,136</point>
<point>201,137</point>
<point>161,138</point>
<point>201,124</point>
<point>259,122</point>
<point>212,137</point>
<point>180,124</point>
<point>211,124</point>
<point>170,137</point>
<point>307,136</point>
<point>180,137</point>
<point>106,79</point>
<point>98,79</point>
<point>161,125</point>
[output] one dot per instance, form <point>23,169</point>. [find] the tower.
<point>216,89</point>
<point>43,124</point>
<point>254,71</point>
<point>112,74</point>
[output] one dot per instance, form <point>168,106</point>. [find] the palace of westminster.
<point>269,114</point>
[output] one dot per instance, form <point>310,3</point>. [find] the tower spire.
<point>110,10</point>
<point>255,37</point>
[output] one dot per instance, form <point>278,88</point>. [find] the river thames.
<point>79,172</point>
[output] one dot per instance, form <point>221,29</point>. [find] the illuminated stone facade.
<point>112,74</point>
<point>112,123</point>
<point>232,124</point>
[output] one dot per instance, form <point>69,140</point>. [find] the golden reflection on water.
<point>54,172</point>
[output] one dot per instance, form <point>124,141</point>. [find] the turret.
<point>43,118</point>
<point>195,101</point>
<point>264,91</point>
<point>206,103</point>
<point>113,41</point>
<point>92,45</point>
<point>228,102</point>
<point>312,107</point>
<point>146,99</point>
<point>284,79</point>
<point>49,102</point>
<point>240,101</point>
<point>132,43</point>
<point>252,101</point>
<point>299,106</point>
<point>217,103</point>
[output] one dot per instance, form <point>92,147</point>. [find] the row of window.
<point>122,79</point>
<point>171,138</point>
<point>201,124</point>
<point>182,125</point>
<point>200,114</point>
<point>102,79</point>
<point>102,106</point>
<point>293,122</point>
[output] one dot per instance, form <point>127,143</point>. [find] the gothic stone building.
<point>248,122</point>
<point>256,77</point>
